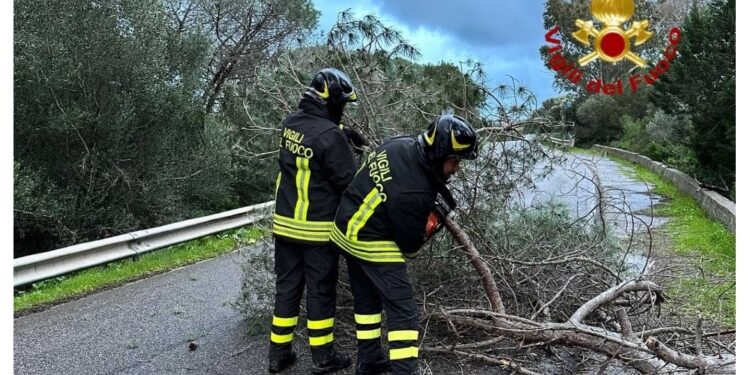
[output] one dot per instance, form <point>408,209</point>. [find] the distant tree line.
<point>687,119</point>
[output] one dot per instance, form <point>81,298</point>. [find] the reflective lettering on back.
<point>380,171</point>
<point>291,140</point>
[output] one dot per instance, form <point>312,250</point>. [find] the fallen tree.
<point>647,356</point>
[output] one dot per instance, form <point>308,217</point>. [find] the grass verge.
<point>50,292</point>
<point>694,235</point>
<point>586,151</point>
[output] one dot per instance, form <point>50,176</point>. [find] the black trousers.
<point>378,286</point>
<point>297,265</point>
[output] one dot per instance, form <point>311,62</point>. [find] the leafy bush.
<point>115,128</point>
<point>659,137</point>
<point>599,120</point>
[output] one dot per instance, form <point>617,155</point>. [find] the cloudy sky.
<point>504,36</point>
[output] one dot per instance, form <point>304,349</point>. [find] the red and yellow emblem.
<point>612,43</point>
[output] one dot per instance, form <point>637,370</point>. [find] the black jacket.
<point>383,213</point>
<point>315,166</point>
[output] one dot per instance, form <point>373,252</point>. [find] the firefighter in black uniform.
<point>316,164</point>
<point>397,201</point>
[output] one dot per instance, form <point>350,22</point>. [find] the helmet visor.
<point>348,91</point>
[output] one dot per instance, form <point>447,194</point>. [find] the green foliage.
<point>254,120</point>
<point>659,137</point>
<point>454,87</point>
<point>559,108</point>
<point>93,102</point>
<point>599,119</point>
<point>38,207</point>
<point>701,83</point>
<point>111,132</point>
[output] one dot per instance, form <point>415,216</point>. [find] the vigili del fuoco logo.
<point>611,43</point>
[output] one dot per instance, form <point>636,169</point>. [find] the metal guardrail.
<point>569,142</point>
<point>54,263</point>
<point>562,142</point>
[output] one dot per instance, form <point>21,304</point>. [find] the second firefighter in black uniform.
<point>315,166</point>
<point>397,201</point>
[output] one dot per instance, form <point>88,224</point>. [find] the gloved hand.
<point>356,138</point>
<point>444,204</point>
<point>433,225</point>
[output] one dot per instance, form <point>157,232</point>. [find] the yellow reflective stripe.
<point>303,185</point>
<point>410,352</point>
<point>284,322</point>
<point>367,319</point>
<point>278,183</point>
<point>325,92</point>
<point>374,251</point>
<point>314,231</point>
<point>368,334</point>
<point>301,235</point>
<point>381,255</point>
<point>281,339</point>
<point>320,324</point>
<point>366,209</point>
<point>321,340</point>
<point>358,216</point>
<point>402,335</point>
<point>379,258</point>
<point>431,139</point>
<point>457,146</point>
<point>321,226</point>
<point>368,246</point>
<point>365,246</point>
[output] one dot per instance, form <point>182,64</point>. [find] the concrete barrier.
<point>716,206</point>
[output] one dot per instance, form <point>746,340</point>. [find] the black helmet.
<point>449,135</point>
<point>333,86</point>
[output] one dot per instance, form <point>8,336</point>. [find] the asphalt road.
<point>144,328</point>
<point>574,184</point>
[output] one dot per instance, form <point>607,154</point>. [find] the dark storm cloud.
<point>474,22</point>
<point>505,36</point>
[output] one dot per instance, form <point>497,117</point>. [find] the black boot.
<point>327,360</point>
<point>381,366</point>
<point>278,362</point>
